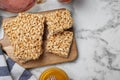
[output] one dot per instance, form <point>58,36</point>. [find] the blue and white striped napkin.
<point>9,70</point>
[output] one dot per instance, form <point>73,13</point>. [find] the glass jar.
<point>54,74</point>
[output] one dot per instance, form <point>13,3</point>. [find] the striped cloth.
<point>9,70</point>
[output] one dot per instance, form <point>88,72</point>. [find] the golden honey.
<point>54,74</point>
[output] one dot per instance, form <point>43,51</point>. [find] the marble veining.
<point>104,39</point>
<point>97,32</point>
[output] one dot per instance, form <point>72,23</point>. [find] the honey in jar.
<point>53,74</point>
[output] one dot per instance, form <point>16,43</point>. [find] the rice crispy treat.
<point>58,21</point>
<point>25,34</point>
<point>59,44</point>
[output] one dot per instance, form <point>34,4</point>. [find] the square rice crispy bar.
<point>25,34</point>
<point>59,44</point>
<point>58,21</point>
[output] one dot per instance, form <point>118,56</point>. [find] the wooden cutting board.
<point>44,60</point>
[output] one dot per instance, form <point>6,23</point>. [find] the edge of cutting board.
<point>44,60</point>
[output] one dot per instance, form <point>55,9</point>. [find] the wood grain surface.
<point>44,60</point>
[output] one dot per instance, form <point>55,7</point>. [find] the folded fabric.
<point>9,70</point>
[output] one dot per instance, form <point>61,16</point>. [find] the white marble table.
<point>97,31</point>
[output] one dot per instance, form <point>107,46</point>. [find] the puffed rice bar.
<point>59,44</point>
<point>58,21</point>
<point>25,34</point>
